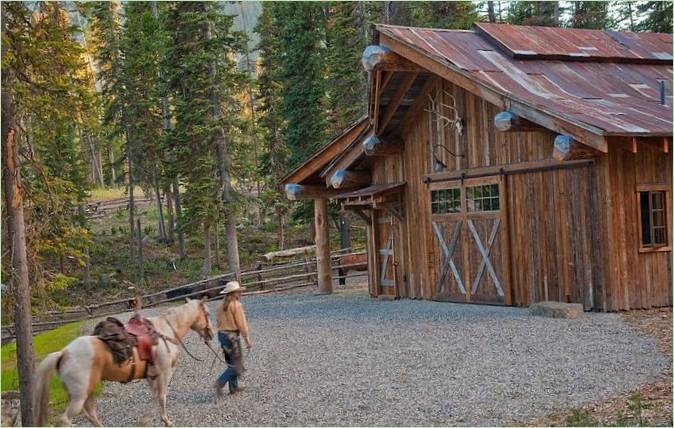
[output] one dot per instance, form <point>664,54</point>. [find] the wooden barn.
<point>508,165</point>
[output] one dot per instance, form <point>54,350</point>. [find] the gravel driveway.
<point>346,359</point>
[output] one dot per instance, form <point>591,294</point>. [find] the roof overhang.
<point>309,171</point>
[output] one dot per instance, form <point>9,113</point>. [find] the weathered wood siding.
<point>550,213</point>
<point>574,233</point>
<point>634,279</point>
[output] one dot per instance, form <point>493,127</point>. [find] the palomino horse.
<point>87,360</point>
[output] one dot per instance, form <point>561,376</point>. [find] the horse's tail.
<point>43,377</point>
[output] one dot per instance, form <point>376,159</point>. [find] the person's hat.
<point>232,286</point>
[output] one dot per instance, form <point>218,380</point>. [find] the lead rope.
<point>181,342</point>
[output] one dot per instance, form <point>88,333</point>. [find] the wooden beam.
<point>565,148</point>
<point>507,121</point>
<point>659,144</point>
<point>295,192</point>
<point>318,161</point>
<point>419,103</point>
<point>394,103</point>
<point>377,96</point>
<point>374,146</point>
<point>359,212</point>
<point>381,58</point>
<point>587,134</point>
<point>345,161</point>
<point>624,143</point>
<point>322,246</point>
<point>517,168</point>
<point>345,179</point>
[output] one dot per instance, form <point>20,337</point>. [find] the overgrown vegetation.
<point>44,344</point>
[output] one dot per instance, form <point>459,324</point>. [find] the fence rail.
<point>264,278</point>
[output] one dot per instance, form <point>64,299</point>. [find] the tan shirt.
<point>233,319</point>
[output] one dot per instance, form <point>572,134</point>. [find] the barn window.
<point>482,198</point>
<point>653,224</point>
<point>445,201</point>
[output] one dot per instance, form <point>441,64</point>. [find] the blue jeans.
<point>231,346</point>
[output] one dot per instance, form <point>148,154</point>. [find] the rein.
<point>180,341</point>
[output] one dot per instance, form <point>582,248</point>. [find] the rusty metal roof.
<point>606,79</point>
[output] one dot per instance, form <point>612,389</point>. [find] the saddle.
<point>146,336</point>
<point>121,339</point>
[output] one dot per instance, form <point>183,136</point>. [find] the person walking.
<point>231,326</point>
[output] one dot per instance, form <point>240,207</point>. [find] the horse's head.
<point>202,322</point>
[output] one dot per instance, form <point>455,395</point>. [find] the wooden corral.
<point>497,167</point>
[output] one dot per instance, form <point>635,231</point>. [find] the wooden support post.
<point>345,179</point>
<point>566,148</point>
<point>322,246</point>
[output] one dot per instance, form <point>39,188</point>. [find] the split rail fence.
<point>264,278</point>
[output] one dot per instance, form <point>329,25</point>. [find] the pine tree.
<point>346,80</point>
<point>444,14</point>
<point>107,45</point>
<point>141,50</point>
<point>589,14</point>
<point>658,16</point>
<point>301,76</point>
<point>273,161</point>
<point>45,98</point>
<point>540,13</point>
<point>200,50</point>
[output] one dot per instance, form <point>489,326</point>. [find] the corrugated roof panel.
<point>540,42</point>
<point>617,97</point>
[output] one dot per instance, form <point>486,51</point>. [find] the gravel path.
<point>347,359</point>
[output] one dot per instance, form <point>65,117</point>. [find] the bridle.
<point>203,336</point>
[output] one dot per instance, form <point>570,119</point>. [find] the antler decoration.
<point>437,110</point>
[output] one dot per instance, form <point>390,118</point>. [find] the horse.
<point>87,360</point>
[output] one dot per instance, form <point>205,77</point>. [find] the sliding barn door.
<point>470,230</point>
<point>386,228</point>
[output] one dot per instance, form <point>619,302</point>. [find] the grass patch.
<point>43,344</point>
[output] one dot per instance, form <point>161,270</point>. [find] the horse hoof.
<point>168,424</point>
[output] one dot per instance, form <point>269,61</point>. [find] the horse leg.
<point>74,409</point>
<point>77,385</point>
<point>162,387</point>
<point>90,411</point>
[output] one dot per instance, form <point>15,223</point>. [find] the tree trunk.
<point>169,212</point>
<point>631,15</point>
<point>232,247</point>
<point>490,11</point>
<point>556,13</point>
<point>179,213</point>
<point>206,266</point>
<point>224,164</point>
<point>113,174</point>
<point>160,209</point>
<point>95,161</point>
<point>16,231</point>
<point>217,246</point>
<point>131,209</point>
<point>141,262</point>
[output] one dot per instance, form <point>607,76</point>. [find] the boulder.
<point>556,310</point>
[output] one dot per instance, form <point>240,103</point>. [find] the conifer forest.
<point>144,142</point>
